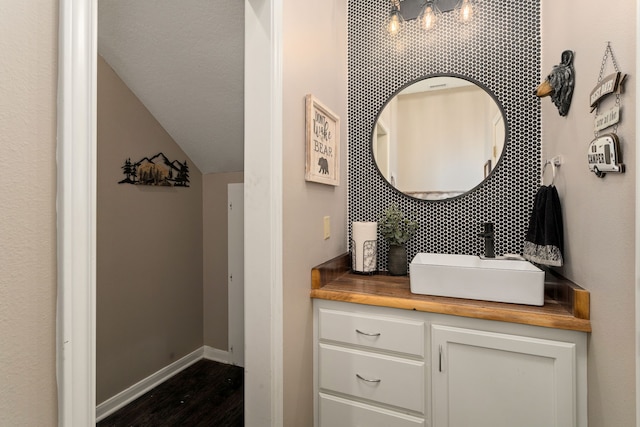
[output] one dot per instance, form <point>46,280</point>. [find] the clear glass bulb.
<point>465,11</point>
<point>395,21</point>
<point>429,16</point>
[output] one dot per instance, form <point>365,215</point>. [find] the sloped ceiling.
<point>184,59</point>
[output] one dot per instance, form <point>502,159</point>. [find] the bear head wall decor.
<point>559,83</point>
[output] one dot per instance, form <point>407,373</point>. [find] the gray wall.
<point>28,395</point>
<point>599,214</point>
<point>149,248</point>
<point>314,61</point>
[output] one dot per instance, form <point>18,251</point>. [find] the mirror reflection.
<point>438,138</point>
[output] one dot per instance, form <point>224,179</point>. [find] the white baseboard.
<point>216,355</point>
<point>127,396</point>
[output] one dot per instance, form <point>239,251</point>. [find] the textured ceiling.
<point>184,59</point>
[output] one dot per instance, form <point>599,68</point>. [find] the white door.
<point>381,149</point>
<point>485,379</point>
<point>497,135</point>
<point>235,206</point>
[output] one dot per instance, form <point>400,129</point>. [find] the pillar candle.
<point>364,237</point>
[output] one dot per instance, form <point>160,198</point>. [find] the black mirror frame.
<point>481,183</point>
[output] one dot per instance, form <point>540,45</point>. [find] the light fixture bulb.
<point>395,21</point>
<point>429,16</point>
<point>465,11</point>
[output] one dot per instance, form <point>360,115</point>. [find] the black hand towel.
<point>544,243</point>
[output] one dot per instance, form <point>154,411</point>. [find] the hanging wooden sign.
<point>609,118</point>
<point>604,154</point>
<point>608,85</point>
<point>323,143</point>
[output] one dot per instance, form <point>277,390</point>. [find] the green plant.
<point>395,227</point>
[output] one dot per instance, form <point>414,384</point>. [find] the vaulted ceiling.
<point>184,59</point>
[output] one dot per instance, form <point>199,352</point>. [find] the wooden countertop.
<point>566,304</point>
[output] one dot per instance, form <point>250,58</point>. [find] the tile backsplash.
<point>501,50</point>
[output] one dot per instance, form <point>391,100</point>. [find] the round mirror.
<point>439,137</point>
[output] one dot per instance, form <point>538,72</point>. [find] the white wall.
<point>27,214</point>
<point>599,214</point>
<point>314,61</point>
<point>437,126</point>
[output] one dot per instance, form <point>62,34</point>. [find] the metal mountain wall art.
<point>157,170</point>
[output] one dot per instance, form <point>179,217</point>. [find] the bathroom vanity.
<point>386,357</point>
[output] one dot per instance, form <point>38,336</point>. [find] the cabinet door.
<point>498,380</point>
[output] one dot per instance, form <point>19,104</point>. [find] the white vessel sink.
<point>472,277</point>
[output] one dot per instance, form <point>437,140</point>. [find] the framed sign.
<point>322,143</point>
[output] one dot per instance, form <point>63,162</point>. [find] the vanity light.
<point>429,16</point>
<point>465,10</point>
<point>427,12</point>
<point>395,19</point>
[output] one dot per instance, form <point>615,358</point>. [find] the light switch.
<point>327,227</point>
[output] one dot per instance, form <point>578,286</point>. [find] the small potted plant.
<point>397,230</point>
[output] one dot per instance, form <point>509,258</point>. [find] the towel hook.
<point>555,163</point>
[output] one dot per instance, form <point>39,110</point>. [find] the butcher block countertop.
<point>566,304</point>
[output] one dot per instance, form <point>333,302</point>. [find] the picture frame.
<point>322,143</point>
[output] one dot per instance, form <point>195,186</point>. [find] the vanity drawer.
<point>376,377</point>
<point>338,412</point>
<point>381,333</point>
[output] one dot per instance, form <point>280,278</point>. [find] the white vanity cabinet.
<point>380,366</point>
<point>370,367</point>
<point>487,379</point>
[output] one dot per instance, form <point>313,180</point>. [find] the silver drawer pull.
<point>369,381</point>
<point>367,334</point>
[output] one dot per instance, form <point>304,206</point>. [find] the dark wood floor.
<point>206,394</point>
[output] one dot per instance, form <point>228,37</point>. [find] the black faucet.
<point>489,240</point>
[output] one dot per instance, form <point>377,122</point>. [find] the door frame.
<point>235,276</point>
<point>637,224</point>
<point>76,212</point>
